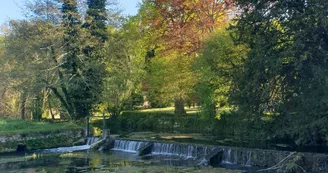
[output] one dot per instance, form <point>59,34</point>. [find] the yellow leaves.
<point>277,25</point>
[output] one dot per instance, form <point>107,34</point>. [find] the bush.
<point>130,121</point>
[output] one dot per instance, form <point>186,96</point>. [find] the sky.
<point>10,9</point>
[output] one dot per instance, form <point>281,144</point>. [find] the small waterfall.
<point>248,158</point>
<point>227,156</point>
<point>128,146</point>
<point>65,149</point>
<point>173,149</point>
<point>235,161</point>
<point>187,151</point>
<point>92,140</point>
<point>245,157</point>
<point>190,152</point>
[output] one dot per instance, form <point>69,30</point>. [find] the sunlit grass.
<point>3,122</point>
<point>15,126</point>
<point>192,110</point>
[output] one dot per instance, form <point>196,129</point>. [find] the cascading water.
<point>245,157</point>
<point>227,156</point>
<point>66,149</point>
<point>248,158</point>
<point>90,141</point>
<point>186,151</point>
<point>173,149</point>
<point>235,161</point>
<point>128,146</point>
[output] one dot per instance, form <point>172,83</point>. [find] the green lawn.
<point>170,110</point>
<point>14,126</point>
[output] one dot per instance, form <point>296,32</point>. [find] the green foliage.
<point>270,68</point>
<point>130,121</point>
<point>96,19</point>
<point>285,72</point>
<point>124,57</point>
<point>215,68</point>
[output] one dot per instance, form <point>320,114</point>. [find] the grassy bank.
<point>14,126</point>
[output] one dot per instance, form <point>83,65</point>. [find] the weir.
<point>87,146</point>
<point>187,151</point>
<point>128,145</point>
<point>199,153</point>
<point>222,156</point>
<point>234,156</point>
<point>92,140</point>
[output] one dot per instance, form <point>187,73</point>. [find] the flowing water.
<point>100,162</point>
<point>186,151</point>
<point>128,146</point>
<point>121,158</point>
<point>90,141</point>
<point>180,154</point>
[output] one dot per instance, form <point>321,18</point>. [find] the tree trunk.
<point>65,100</point>
<point>2,97</point>
<point>62,100</point>
<point>179,107</point>
<point>22,106</point>
<point>44,101</point>
<point>68,101</point>
<point>50,109</point>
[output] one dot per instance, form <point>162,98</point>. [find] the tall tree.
<point>219,61</point>
<point>96,18</point>
<point>53,58</point>
<point>181,28</point>
<point>95,43</point>
<point>27,46</point>
<point>69,74</point>
<point>26,50</point>
<point>285,73</point>
<point>124,66</point>
<point>81,72</point>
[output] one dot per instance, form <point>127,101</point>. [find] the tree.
<point>220,60</point>
<point>285,73</point>
<point>27,59</point>
<point>181,28</point>
<point>3,85</point>
<point>124,66</point>
<point>52,57</point>
<point>82,72</point>
<point>96,18</point>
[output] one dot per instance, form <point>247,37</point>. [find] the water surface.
<point>95,161</point>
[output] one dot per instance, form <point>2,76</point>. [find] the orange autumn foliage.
<point>184,24</point>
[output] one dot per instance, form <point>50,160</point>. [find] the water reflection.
<point>81,161</point>
<point>90,161</point>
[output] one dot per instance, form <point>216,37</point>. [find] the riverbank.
<point>16,126</point>
<point>30,135</point>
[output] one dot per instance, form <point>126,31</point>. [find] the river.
<point>96,161</point>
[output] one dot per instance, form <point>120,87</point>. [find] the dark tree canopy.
<point>285,74</point>
<point>96,19</point>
